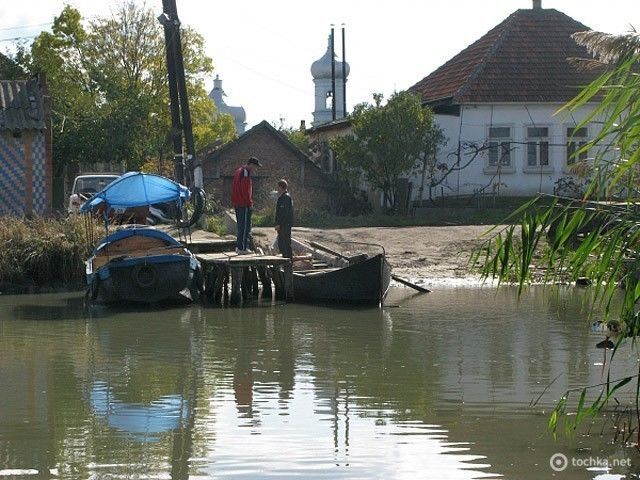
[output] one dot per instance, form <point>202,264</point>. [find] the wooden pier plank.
<point>209,245</point>
<point>236,260</point>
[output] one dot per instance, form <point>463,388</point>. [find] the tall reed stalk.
<point>42,251</point>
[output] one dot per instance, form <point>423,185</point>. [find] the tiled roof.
<point>21,105</point>
<point>339,124</point>
<point>523,59</point>
<point>262,126</point>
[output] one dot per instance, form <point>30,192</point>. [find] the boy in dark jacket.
<point>284,219</point>
<point>242,200</point>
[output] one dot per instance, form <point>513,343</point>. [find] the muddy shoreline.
<point>426,255</point>
<point>429,256</point>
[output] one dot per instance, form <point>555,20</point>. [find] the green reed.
<point>41,251</point>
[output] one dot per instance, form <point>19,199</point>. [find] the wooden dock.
<point>231,279</point>
<point>209,245</point>
<point>200,241</point>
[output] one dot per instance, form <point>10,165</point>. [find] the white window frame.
<point>543,150</point>
<point>502,142</point>
<point>568,140</point>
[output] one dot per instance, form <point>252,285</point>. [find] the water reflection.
<point>438,388</point>
<point>144,422</point>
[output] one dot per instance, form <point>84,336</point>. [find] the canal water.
<point>434,386</point>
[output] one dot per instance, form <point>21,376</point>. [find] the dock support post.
<point>225,286</point>
<point>288,281</point>
<point>255,291</point>
<point>265,279</point>
<point>236,286</point>
<point>219,274</point>
<point>209,281</point>
<point>246,283</point>
<point>278,282</point>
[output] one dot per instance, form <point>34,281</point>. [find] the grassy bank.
<point>42,253</point>
<point>432,216</point>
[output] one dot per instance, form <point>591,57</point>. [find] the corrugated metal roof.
<point>21,105</point>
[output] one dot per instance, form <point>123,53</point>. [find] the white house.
<point>499,97</point>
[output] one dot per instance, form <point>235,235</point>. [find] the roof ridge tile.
<point>488,54</point>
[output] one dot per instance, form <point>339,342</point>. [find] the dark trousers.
<point>284,242</point>
<point>243,217</point>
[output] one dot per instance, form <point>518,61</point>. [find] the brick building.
<point>25,148</point>
<point>280,159</point>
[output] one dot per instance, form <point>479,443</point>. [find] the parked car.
<point>85,186</point>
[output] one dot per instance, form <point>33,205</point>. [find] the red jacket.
<point>241,188</point>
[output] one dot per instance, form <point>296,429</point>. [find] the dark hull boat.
<point>362,283</point>
<point>142,265</point>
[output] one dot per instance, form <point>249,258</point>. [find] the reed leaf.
<point>591,237</point>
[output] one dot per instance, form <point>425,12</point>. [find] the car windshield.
<point>92,184</point>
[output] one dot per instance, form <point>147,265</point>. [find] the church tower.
<point>321,73</point>
<point>237,113</point>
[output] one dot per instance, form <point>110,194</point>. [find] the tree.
<point>57,54</point>
<point>297,137</point>
<point>108,82</point>
<point>10,70</point>
<point>587,238</point>
<point>388,141</point>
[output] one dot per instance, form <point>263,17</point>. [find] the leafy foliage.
<point>108,82</point>
<point>388,141</point>
<point>297,137</point>
<point>10,70</point>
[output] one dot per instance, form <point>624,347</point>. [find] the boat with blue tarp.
<point>138,263</point>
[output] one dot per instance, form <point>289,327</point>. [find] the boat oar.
<point>326,249</point>
<point>409,284</point>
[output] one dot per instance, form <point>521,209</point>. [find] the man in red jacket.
<point>242,199</point>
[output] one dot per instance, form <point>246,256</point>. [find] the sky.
<point>263,50</point>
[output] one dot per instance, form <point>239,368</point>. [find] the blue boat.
<point>137,263</point>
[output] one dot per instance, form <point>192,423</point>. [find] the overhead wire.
<point>273,79</point>
<point>24,37</point>
<point>17,27</point>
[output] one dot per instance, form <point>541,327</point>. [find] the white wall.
<point>519,180</point>
<point>322,114</point>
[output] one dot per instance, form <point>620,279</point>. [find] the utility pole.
<point>171,23</point>
<point>344,77</point>
<point>176,126</point>
<point>333,75</point>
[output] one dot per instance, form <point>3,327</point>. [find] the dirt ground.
<point>427,255</point>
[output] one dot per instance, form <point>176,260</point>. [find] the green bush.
<point>215,224</point>
<point>265,216</point>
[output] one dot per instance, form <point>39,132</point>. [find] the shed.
<point>25,147</point>
<point>280,159</point>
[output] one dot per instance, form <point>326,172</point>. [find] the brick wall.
<point>306,181</point>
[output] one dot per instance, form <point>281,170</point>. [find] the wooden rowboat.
<point>363,283</point>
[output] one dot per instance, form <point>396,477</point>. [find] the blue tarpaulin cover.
<point>135,189</point>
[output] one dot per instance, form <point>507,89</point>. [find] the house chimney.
<point>537,4</point>
<point>303,126</point>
